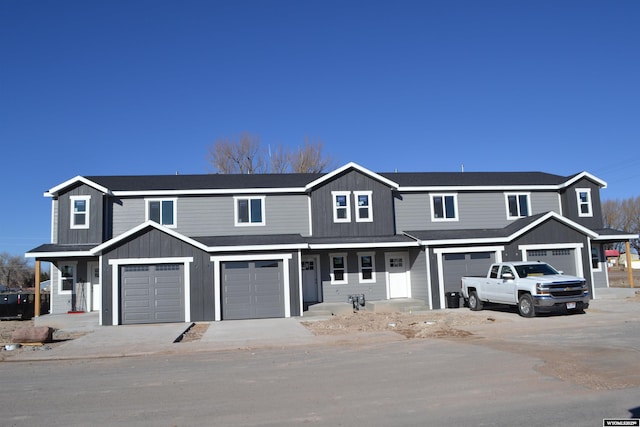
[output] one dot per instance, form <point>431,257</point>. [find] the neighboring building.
<point>181,248</point>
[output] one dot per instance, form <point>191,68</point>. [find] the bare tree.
<point>244,154</point>
<point>309,158</point>
<point>279,159</point>
<point>15,271</point>
<point>241,155</point>
<point>623,215</point>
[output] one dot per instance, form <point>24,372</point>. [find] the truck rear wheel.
<point>525,306</point>
<point>474,302</point>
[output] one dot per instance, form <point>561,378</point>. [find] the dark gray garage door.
<point>252,289</point>
<point>465,264</point>
<point>561,259</point>
<point>152,293</point>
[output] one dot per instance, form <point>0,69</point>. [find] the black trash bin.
<point>453,299</point>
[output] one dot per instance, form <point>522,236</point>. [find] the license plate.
<point>571,305</point>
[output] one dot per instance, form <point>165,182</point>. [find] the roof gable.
<point>351,166</point>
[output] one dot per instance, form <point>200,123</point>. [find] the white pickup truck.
<point>532,286</point>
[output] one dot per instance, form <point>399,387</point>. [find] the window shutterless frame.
<point>80,209</point>
<point>518,205</point>
<point>364,208</point>
<point>249,211</point>
<point>583,198</point>
<point>341,206</point>
<point>444,207</point>
<point>367,267</point>
<point>338,263</point>
<point>162,211</point>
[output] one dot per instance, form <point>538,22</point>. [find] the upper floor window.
<point>584,202</point>
<point>162,211</point>
<point>366,263</point>
<point>364,211</point>
<point>518,205</point>
<point>249,211</point>
<point>444,207</point>
<point>80,211</point>
<point>341,206</point>
<point>338,268</point>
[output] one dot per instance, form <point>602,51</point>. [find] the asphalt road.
<point>525,372</point>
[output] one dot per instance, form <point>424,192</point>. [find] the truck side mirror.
<point>507,276</point>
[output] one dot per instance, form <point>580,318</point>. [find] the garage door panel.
<point>456,265</point>
<point>561,259</point>
<point>152,293</point>
<point>253,290</point>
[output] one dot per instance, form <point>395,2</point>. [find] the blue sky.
<point>144,87</point>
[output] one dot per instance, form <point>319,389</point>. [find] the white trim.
<point>74,264</point>
<point>587,175</point>
<point>444,207</point>
<point>142,226</point>
<point>316,264</point>
<point>351,165</point>
<point>206,192</point>
<point>577,254</point>
<point>520,213</point>
<point>497,250</point>
<point>347,207</point>
<point>72,212</point>
<point>115,281</point>
<point>588,202</point>
<point>100,319</point>
<point>345,280</point>
<point>174,202</point>
<point>372,254</point>
<point>511,237</point>
<point>368,245</point>
<point>428,264</point>
<point>53,191</point>
<point>310,215</point>
<point>60,254</point>
<point>263,218</point>
<point>217,280</point>
<point>369,195</point>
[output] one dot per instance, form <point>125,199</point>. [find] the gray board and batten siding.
<point>94,232</point>
<point>475,210</point>
<point>154,244</point>
<point>214,215</point>
<point>382,207</point>
<point>570,200</point>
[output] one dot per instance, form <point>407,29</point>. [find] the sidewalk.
<point>138,340</point>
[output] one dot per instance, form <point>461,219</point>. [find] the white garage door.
<point>561,259</point>
<point>152,293</point>
<point>252,289</point>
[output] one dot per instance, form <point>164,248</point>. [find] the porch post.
<point>627,246</point>
<point>36,306</point>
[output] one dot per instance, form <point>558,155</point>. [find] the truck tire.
<point>525,306</point>
<point>474,302</point>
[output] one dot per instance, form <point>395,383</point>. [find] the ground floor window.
<point>338,268</point>
<point>367,267</point>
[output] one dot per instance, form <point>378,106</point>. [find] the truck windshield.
<point>537,269</point>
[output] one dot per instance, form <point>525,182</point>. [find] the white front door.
<point>96,287</point>
<point>310,280</point>
<point>397,275</point>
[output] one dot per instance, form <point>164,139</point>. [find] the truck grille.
<point>566,289</point>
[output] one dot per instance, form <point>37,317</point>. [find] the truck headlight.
<point>541,290</point>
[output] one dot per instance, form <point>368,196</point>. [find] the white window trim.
<point>506,204</point>
<point>346,277</point>
<point>163,199</point>
<point>373,267</point>
<point>73,264</point>
<point>455,207</point>
<point>237,223</point>
<point>588,203</point>
<point>369,195</point>
<point>335,194</point>
<point>87,199</point>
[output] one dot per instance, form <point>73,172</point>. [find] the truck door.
<point>505,285</point>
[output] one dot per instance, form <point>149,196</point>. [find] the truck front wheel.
<point>474,302</point>
<point>525,306</point>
